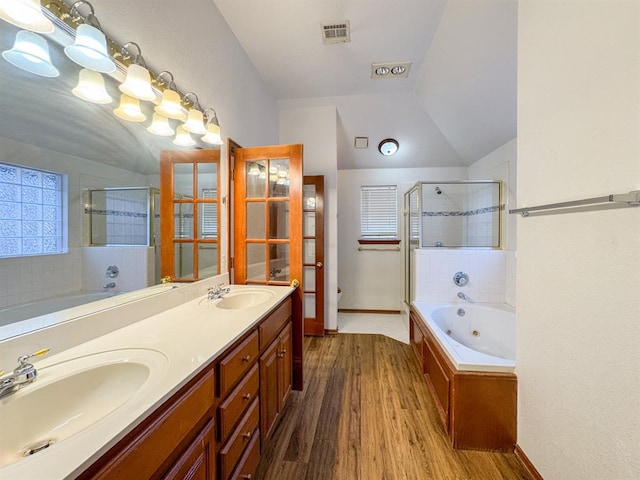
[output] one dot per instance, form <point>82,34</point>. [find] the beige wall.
<point>578,309</point>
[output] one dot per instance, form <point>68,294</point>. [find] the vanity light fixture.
<point>254,170</point>
<point>30,52</point>
<point>129,109</point>
<point>213,128</point>
<point>183,139</point>
<point>195,118</point>
<point>91,87</point>
<point>388,146</point>
<point>26,14</point>
<point>170,106</point>
<point>89,50</point>
<point>160,126</point>
<point>138,81</point>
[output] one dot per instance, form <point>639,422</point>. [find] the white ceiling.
<point>457,104</point>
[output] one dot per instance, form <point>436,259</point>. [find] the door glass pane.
<point>183,220</point>
<point>310,305</point>
<point>279,262</point>
<point>279,220</point>
<point>183,267</point>
<point>279,177</point>
<point>207,220</point>
<point>183,180</point>
<point>256,262</point>
<point>256,229</point>
<point>309,225</point>
<point>256,178</point>
<point>309,278</point>
<point>309,197</point>
<point>207,260</point>
<point>207,179</point>
<point>309,254</point>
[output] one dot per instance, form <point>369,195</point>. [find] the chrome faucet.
<point>110,285</point>
<point>24,374</point>
<point>215,292</point>
<point>464,297</point>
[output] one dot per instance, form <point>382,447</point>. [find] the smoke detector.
<point>390,70</point>
<point>336,32</point>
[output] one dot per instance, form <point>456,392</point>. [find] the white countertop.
<point>190,336</point>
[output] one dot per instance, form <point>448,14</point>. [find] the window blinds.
<point>379,211</point>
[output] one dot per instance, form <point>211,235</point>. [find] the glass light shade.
<point>138,83</point>
<point>160,126</point>
<point>26,14</point>
<point>195,122</point>
<point>170,105</point>
<point>91,87</point>
<point>183,139</point>
<point>30,52</point>
<point>90,50</point>
<point>129,109</point>
<point>254,171</point>
<point>213,135</point>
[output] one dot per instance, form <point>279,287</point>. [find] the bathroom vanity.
<point>224,380</point>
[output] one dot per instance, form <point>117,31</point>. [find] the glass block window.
<point>31,219</point>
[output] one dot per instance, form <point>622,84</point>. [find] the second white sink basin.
<point>70,396</point>
<point>240,299</point>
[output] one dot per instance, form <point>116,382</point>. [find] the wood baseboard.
<point>358,310</point>
<point>526,463</point>
<point>330,331</point>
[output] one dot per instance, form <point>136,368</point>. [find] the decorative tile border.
<point>467,213</point>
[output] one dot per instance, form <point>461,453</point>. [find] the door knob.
<point>319,265</point>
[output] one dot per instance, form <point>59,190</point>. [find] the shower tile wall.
<point>434,270</point>
<point>119,218</point>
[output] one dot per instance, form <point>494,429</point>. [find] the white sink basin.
<point>241,299</point>
<point>73,395</point>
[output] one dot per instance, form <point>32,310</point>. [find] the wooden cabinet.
<point>198,462</point>
<point>211,428</point>
<point>275,380</point>
<point>416,338</point>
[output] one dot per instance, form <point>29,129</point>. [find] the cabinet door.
<point>284,366</point>
<point>198,460</point>
<point>269,389</point>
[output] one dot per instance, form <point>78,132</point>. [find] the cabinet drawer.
<point>236,363</point>
<point>231,409</point>
<point>198,460</point>
<point>249,462</point>
<point>241,437</point>
<point>271,326</point>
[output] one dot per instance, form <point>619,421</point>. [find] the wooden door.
<point>313,254</point>
<point>267,238</point>
<point>189,214</point>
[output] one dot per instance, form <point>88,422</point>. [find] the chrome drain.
<point>38,447</point>
<point>448,332</point>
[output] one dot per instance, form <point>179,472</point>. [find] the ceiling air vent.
<point>337,32</point>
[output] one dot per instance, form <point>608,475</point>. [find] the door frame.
<point>316,325</point>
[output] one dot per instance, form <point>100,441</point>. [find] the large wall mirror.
<point>110,176</point>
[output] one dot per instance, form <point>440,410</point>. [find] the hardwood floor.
<point>365,414</point>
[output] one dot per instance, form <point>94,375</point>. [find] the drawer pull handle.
<point>282,353</point>
<point>246,396</point>
<point>246,358</point>
<point>247,477</point>
<point>247,435</point>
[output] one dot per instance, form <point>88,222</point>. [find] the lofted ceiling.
<point>457,104</point>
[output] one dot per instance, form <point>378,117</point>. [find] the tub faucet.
<point>24,374</point>
<point>110,285</point>
<point>464,297</point>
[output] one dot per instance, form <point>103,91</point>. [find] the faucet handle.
<point>23,359</point>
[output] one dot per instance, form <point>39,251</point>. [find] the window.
<point>31,214</point>
<point>379,212</point>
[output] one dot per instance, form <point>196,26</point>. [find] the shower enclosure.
<point>125,216</point>
<point>451,214</point>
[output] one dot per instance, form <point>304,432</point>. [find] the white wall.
<point>371,279</point>
<point>316,129</point>
<point>578,361</point>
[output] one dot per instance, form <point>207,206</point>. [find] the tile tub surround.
<point>170,332</point>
